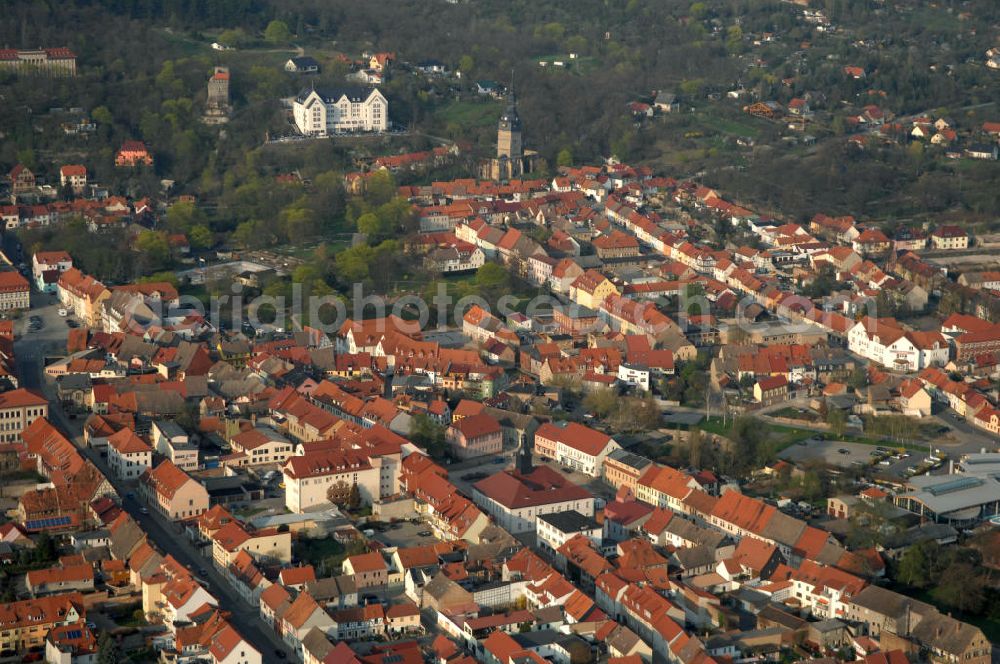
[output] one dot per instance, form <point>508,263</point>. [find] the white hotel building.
<point>339,111</point>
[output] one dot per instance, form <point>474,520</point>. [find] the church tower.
<point>509,143</point>
<point>512,160</point>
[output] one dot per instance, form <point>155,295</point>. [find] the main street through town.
<point>30,350</point>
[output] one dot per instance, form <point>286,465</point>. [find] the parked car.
<point>425,533</point>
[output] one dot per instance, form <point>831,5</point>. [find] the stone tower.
<point>217,106</point>
<point>509,142</point>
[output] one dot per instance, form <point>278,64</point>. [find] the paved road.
<point>29,351</point>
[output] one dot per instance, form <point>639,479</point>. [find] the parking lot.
<point>405,534</point>
<point>846,455</point>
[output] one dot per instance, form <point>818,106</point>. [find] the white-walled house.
<point>882,340</point>
<point>128,455</point>
<point>341,110</point>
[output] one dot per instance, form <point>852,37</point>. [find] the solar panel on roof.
<point>50,522</point>
<point>74,634</point>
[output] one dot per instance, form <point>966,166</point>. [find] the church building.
<point>512,160</point>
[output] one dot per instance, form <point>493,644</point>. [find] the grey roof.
<point>630,459</point>
<point>317,644</point>
<point>622,639</point>
<point>829,625</point>
<point>169,428</point>
<point>887,602</point>
<point>354,94</point>
<point>569,521</point>
<point>784,529</point>
<point>127,539</point>
<point>692,532</point>
<point>947,494</point>
<point>538,638</point>
<point>332,587</point>
<point>776,614</point>
<point>947,634</point>
<point>695,556</point>
<point>303,61</point>
<point>665,98</point>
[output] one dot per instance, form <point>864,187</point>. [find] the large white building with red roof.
<point>309,477</point>
<point>516,499</point>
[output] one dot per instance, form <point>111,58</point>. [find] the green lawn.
<point>317,551</point>
<point>469,114</point>
<point>723,125</point>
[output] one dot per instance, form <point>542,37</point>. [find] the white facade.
<point>552,538</point>
<point>304,494</point>
<point>895,352</point>
<point>340,111</point>
<point>634,375</point>
<point>522,519</point>
<point>129,465</point>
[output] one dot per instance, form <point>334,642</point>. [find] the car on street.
<point>425,533</point>
<point>143,510</point>
<point>62,312</point>
<point>567,470</point>
<point>280,654</point>
<point>843,450</point>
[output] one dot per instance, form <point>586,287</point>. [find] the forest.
<point>148,83</point>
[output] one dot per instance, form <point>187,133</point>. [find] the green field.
<point>466,114</point>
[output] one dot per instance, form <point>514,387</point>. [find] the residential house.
<point>15,291</point>
<point>172,492</point>
<point>477,435</point>
<point>73,176</point>
<point>129,456</point>
<point>949,237</point>
<point>133,153</point>
<point>575,445</point>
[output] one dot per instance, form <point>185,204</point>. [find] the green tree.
<point>565,157</point>
<point>837,419</point>
<point>858,378</point>
<point>27,157</point>
<point>182,216</point>
<point>200,237</point>
<point>277,32</point>
<point>428,434</point>
<point>916,566</point>
<point>960,587</point>
<point>154,248</point>
<point>492,277</point>
<point>233,38</point>
<point>466,64</point>
<point>601,402</point>
<point>695,443</point>
<point>108,651</point>
<point>101,115</point>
